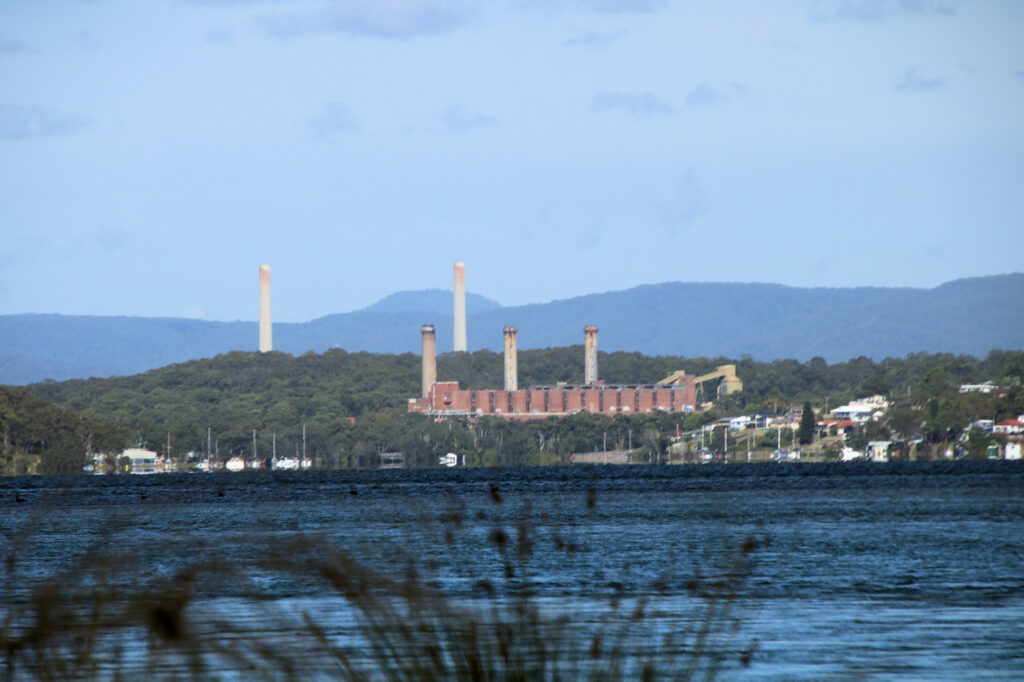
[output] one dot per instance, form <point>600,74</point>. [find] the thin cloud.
<point>398,20</point>
<point>622,6</point>
<point>872,11</point>
<point>691,200</point>
<point>220,36</point>
<point>594,6</point>
<point>13,47</point>
<point>457,121</point>
<point>336,118</point>
<point>28,122</point>
<point>112,238</point>
<point>915,81</point>
<point>1019,74</point>
<point>593,41</point>
<point>85,40</point>
<point>590,235</point>
<point>687,203</point>
<point>639,105</point>
<point>707,94</point>
<point>234,3</point>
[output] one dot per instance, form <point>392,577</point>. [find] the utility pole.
<point>254,445</point>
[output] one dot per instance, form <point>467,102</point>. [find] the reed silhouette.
<point>103,618</point>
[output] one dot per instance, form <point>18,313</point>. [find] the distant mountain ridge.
<point>429,300</point>
<point>766,321</point>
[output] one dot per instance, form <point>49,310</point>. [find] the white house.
<point>1010,427</point>
<point>851,455</point>
<point>983,425</point>
<point>986,387</point>
<point>878,450</point>
<point>142,461</point>
<point>858,414</point>
<point>738,423</point>
<point>451,460</point>
<point>863,410</point>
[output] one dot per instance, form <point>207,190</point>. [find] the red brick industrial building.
<point>445,398</point>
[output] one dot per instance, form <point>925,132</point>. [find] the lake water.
<point>861,571</point>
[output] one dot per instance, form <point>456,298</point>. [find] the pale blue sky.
<point>153,154</point>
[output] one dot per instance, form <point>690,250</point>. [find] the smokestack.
<point>460,308</point>
<point>429,358</point>
<point>589,354</point>
<point>511,369</point>
<point>266,337</point>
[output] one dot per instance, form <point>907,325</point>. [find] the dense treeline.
<point>40,437</point>
<point>353,404</point>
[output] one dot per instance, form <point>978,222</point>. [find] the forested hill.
<point>763,321</point>
<point>275,393</point>
<point>37,436</point>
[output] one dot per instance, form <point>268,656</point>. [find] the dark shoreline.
<point>69,490</point>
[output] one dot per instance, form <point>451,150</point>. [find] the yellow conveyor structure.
<point>724,376</point>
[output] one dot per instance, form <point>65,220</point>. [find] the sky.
<point>154,154</point>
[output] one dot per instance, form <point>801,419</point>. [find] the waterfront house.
<point>1010,427</point>
<point>878,450</point>
<point>142,461</point>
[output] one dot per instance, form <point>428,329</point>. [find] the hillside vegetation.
<point>354,404</point>
<point>39,437</point>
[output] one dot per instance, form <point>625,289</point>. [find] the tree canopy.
<point>353,405</point>
<point>41,437</point>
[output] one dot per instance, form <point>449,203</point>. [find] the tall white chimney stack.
<point>511,360</point>
<point>429,359</point>
<point>459,335</point>
<point>589,354</point>
<point>266,337</point>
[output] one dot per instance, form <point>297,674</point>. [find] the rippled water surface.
<point>872,571</point>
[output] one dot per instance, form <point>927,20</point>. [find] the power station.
<point>446,399</point>
<point>675,393</point>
